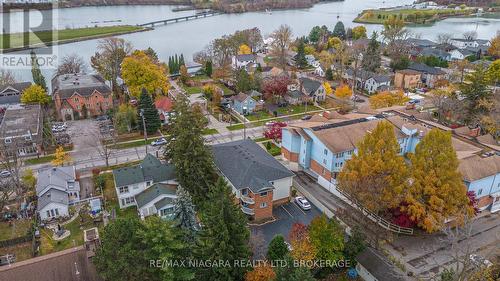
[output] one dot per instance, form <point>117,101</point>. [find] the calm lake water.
<point>190,37</point>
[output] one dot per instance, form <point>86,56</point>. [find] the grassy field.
<point>210,131</point>
<point>259,115</point>
<point>40,160</point>
<point>411,16</point>
<point>295,109</point>
<point>132,144</point>
<point>272,149</point>
<point>18,228</point>
<point>22,251</point>
<point>15,40</point>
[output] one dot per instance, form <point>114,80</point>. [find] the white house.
<point>377,83</point>
<point>131,181</point>
<point>56,189</point>
<point>244,61</point>
<point>319,71</point>
<point>467,43</point>
<point>158,199</point>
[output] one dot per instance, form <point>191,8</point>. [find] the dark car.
<point>306,117</point>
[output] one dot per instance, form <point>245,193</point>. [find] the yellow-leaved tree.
<point>437,191</point>
<point>388,99</point>
<point>343,92</point>
<point>262,272</point>
<point>359,32</point>
<point>494,49</point>
<point>60,157</point>
<point>139,71</point>
<point>244,50</point>
<point>328,88</point>
<point>35,94</point>
<point>376,177</point>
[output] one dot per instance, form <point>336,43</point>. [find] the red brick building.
<point>81,96</point>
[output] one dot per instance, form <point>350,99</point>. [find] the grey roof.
<point>84,84</point>
<point>247,165</point>
<point>381,78</point>
<point>55,177</point>
<point>241,97</point>
<point>295,94</point>
<point>361,74</point>
<point>11,93</point>
<point>420,67</point>
<point>434,52</point>
<point>378,266</point>
<point>21,120</point>
<point>421,42</point>
<point>248,57</point>
<point>254,93</point>
<point>164,202</point>
<point>150,169</point>
<point>153,192</point>
<point>310,85</point>
<point>52,196</point>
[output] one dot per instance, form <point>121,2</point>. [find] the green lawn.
<point>40,160</point>
<point>272,149</point>
<point>413,16</point>
<point>210,131</point>
<point>259,115</point>
<point>131,144</point>
<point>295,109</point>
<point>200,77</point>
<point>16,39</point>
<point>235,127</point>
<point>192,90</point>
<point>224,88</point>
<point>18,228</point>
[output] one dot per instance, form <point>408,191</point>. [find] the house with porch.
<point>257,179</point>
<point>81,95</point>
<point>56,189</point>
<point>11,93</point>
<point>158,199</point>
<point>322,145</point>
<point>130,182</point>
<point>313,89</point>
<point>243,104</point>
<point>244,61</point>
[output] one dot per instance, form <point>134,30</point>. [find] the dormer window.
<point>8,140</point>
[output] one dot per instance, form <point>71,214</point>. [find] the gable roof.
<point>247,57</point>
<point>241,97</point>
<point>83,84</point>
<point>476,167</point>
<point>381,78</point>
<point>11,93</point>
<point>150,169</point>
<point>420,67</point>
<point>246,165</point>
<point>57,177</point>
<point>152,192</point>
<point>52,196</point>
<point>310,86</point>
<point>164,104</point>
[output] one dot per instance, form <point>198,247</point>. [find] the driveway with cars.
<point>286,215</point>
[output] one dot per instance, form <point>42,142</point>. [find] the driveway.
<point>286,215</point>
<point>86,187</point>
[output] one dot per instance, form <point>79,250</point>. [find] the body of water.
<point>192,36</point>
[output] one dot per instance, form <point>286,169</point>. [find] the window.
<point>48,214</point>
<point>324,161</point>
<point>349,152</point>
<point>27,138</point>
<point>244,192</point>
<point>75,99</point>
<point>167,211</point>
<point>262,194</point>
<point>52,213</point>
<point>148,183</point>
<point>128,200</point>
<point>8,140</point>
<point>479,191</point>
<point>263,204</point>
<point>325,152</point>
<point>123,189</point>
<point>57,212</point>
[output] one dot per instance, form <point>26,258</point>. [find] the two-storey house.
<point>313,89</point>
<point>81,96</point>
<point>243,104</point>
<point>257,179</point>
<point>56,189</point>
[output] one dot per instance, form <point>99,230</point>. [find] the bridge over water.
<point>180,19</point>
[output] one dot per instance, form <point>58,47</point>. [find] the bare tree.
<point>257,243</point>
<point>71,64</point>
<point>10,161</point>
<point>7,77</point>
<point>470,35</point>
<point>443,38</point>
<point>102,144</point>
<point>282,39</point>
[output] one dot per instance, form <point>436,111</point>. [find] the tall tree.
<point>300,58</point>
<point>140,72</point>
<point>224,235</point>
<point>395,35</point>
<point>120,248</point>
<point>150,114</point>
<point>152,55</point>
<point>477,93</point>
<point>109,57</point>
<point>355,245</point>
<point>494,49</point>
<point>125,118</point>
<point>277,249</point>
<point>244,81</point>
<point>371,58</point>
<point>184,214</point>
<point>71,64</point>
<point>339,30</point>
<point>290,272</point>
<point>376,176</point>
<point>302,248</point>
<point>36,73</point>
<point>208,68</point>
<point>282,38</point>
<point>437,191</point>
<point>327,237</point>
<point>187,150</point>
<point>260,273</point>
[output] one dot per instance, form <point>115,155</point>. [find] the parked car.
<point>303,203</point>
<point>5,174</point>
<point>270,123</point>
<point>158,142</point>
<point>288,246</point>
<point>102,118</point>
<point>306,117</point>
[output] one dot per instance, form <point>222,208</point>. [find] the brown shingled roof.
<point>476,167</point>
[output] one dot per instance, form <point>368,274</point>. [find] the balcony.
<point>248,211</point>
<point>247,199</point>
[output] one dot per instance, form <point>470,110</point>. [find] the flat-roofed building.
<point>21,130</point>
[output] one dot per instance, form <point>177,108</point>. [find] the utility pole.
<point>144,129</point>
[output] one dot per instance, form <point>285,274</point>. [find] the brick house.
<point>81,96</point>
<point>257,179</point>
<point>407,79</point>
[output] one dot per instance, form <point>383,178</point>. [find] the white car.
<point>158,142</point>
<point>5,174</point>
<point>303,203</point>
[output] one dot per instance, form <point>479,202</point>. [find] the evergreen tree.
<point>290,272</point>
<point>184,213</point>
<point>224,235</point>
<point>208,68</point>
<point>477,92</point>
<point>437,191</point>
<point>152,54</point>
<point>354,246</point>
<point>277,249</point>
<point>376,176</point>
<point>176,63</point>
<point>38,77</point>
<point>300,58</point>
<point>181,60</point>
<point>187,150</point>
<point>244,81</point>
<point>329,74</point>
<point>151,116</point>
<point>339,30</point>
<point>327,238</point>
<point>371,58</point>
<point>349,34</point>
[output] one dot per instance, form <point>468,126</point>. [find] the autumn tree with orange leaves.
<point>302,248</point>
<point>262,272</point>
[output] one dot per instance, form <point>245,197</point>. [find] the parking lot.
<point>286,215</point>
